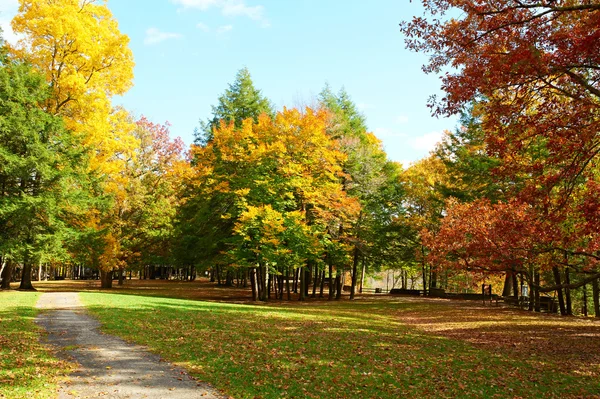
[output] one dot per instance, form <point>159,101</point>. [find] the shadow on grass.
<point>27,369</point>
<point>338,350</point>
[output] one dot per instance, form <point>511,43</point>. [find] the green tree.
<point>40,172</point>
<point>239,102</point>
<point>369,176</point>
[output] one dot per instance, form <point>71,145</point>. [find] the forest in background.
<point>278,199</point>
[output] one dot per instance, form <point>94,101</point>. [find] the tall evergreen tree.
<point>39,164</point>
<point>239,102</point>
<point>369,176</point>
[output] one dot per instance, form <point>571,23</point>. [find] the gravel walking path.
<point>109,366</point>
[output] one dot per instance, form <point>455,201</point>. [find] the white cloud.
<point>203,27</point>
<point>229,8</point>
<point>154,36</point>
<point>224,29</point>
<point>199,4</point>
<point>426,142</point>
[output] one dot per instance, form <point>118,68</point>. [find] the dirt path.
<point>109,367</point>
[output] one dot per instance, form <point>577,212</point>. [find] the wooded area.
<point>303,201</point>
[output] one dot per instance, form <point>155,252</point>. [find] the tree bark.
<point>584,310</point>
<point>6,275</point>
<point>559,291</point>
<point>331,286</point>
<point>263,283</point>
<point>596,295</point>
<point>424,273</point>
<point>296,278</point>
<point>338,285</point>
<point>536,305</point>
<point>26,277</point>
<point>302,277</point>
<point>316,281</point>
<point>307,276</point>
<point>121,276</point>
<point>253,284</point>
<point>362,275</point>
<point>287,283</point>
<point>568,293</point>
<point>106,279</point>
<point>354,272</point>
<point>322,285</point>
<point>508,282</point>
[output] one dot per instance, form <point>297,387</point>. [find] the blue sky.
<point>188,51</point>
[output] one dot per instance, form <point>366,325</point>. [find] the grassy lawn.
<point>27,369</point>
<point>368,348</point>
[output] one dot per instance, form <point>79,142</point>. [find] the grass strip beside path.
<point>333,350</point>
<point>27,368</point>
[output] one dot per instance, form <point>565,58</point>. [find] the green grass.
<point>27,369</point>
<point>334,350</point>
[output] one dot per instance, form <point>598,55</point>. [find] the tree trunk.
<point>26,277</point>
<point>296,277</point>
<point>263,283</point>
<point>584,310</point>
<point>307,276</point>
<point>39,276</point>
<point>302,277</point>
<point>331,286</point>
<point>106,279</point>
<point>6,275</point>
<point>432,279</point>
<point>362,275</point>
<point>568,293</point>
<point>338,285</point>
<point>321,288</point>
<point>424,272</point>
<point>121,276</point>
<point>316,281</point>
<point>354,272</point>
<point>536,305</point>
<point>253,284</point>
<point>287,282</point>
<point>508,282</point>
<point>561,299</point>
<point>596,297</point>
<point>515,285</point>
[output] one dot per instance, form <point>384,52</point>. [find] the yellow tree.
<point>424,203</point>
<point>270,196</point>
<point>78,47</point>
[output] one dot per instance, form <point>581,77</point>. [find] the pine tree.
<point>40,169</point>
<point>239,102</point>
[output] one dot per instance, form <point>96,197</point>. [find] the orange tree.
<point>533,69</point>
